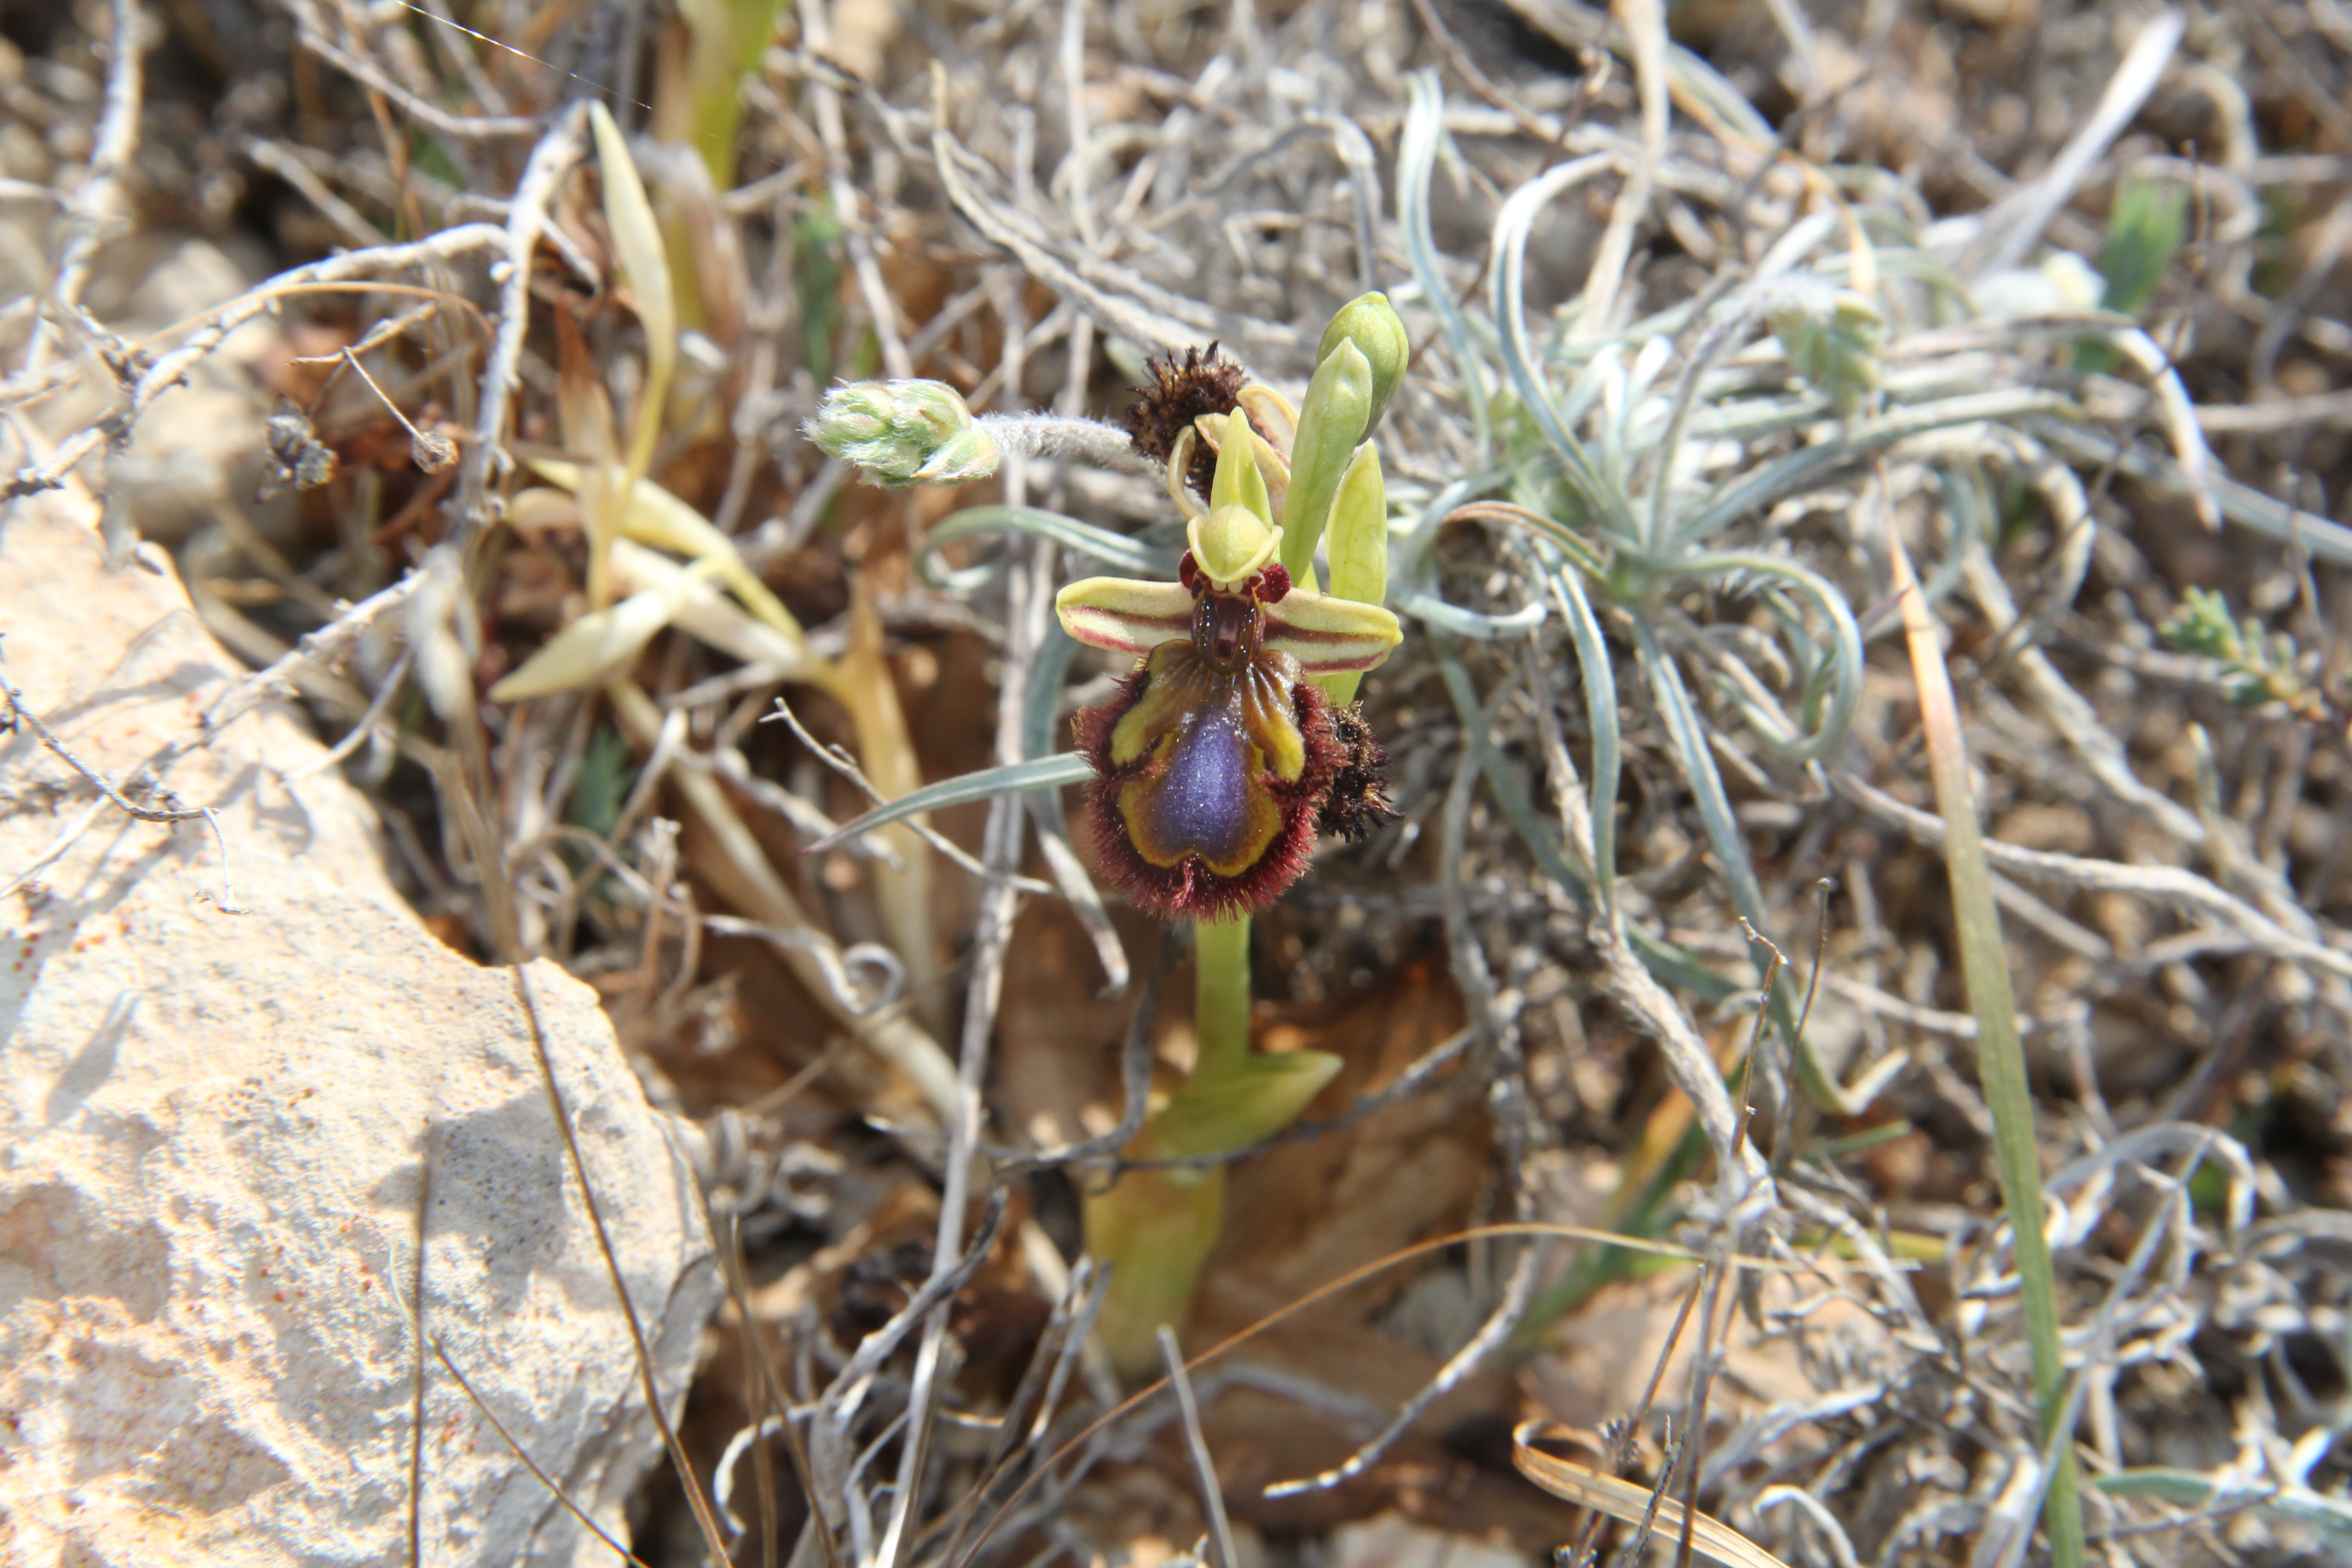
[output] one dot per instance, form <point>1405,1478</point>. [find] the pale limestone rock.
<point>213,1130</point>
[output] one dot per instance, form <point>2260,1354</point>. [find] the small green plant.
<point>1622,523</point>
<point>1234,741</point>
<point>2258,666</point>
<point>2145,231</point>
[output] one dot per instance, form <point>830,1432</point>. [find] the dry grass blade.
<point>703,1515</point>
<point>1624,1501</point>
<point>1204,1469</point>
<point>554,1488</point>
<point>638,236</point>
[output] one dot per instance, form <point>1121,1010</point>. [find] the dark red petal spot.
<point>1188,571</point>
<point>1272,584</point>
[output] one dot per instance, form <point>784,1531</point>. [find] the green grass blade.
<point>2001,1054</point>
<point>1416,162</point>
<point>1723,836</point>
<point>1600,676</point>
<point>1038,772</point>
<point>1509,303</point>
<point>1127,556</point>
<point>1844,652</point>
<point>1760,487</point>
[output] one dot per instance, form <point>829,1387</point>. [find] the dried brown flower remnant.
<point>1205,383</point>
<point>1357,802</point>
<point>297,459</point>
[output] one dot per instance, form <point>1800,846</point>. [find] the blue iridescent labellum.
<point>1213,761</point>
<point>1217,761</point>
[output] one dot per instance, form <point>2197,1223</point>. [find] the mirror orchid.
<point>1217,759</point>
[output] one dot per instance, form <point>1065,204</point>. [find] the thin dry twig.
<point>169,811</point>
<point>1196,1447</point>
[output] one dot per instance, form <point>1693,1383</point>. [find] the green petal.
<point>1239,481</point>
<point>1356,540</point>
<point>1125,615</point>
<point>1327,635</point>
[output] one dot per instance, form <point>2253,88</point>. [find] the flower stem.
<point>1155,1228</point>
<point>1222,1000</point>
<point>1050,435</point>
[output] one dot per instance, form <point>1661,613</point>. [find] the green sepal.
<point>1238,480</point>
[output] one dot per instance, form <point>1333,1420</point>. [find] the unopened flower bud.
<point>1332,423</point>
<point>1371,323</point>
<point>1356,542</point>
<point>904,433</point>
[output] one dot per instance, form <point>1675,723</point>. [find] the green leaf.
<point>728,38</point>
<point>816,283</point>
<point>1215,1114</point>
<point>1127,556</point>
<point>1038,772</point>
<point>2144,234</point>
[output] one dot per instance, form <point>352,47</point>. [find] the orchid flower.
<point>1216,761</point>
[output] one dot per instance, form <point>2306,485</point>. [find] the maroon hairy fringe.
<point>1189,891</point>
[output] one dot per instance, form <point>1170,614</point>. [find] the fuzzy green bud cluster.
<point>904,433</point>
<point>1836,344</point>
